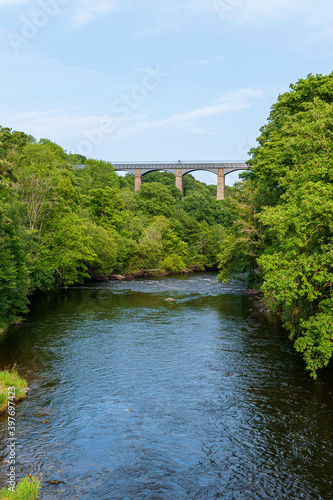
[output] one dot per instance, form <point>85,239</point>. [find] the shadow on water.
<point>194,398</point>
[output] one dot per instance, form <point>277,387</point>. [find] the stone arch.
<point>211,171</point>
<point>234,177</point>
<point>156,170</point>
<point>126,171</point>
<point>229,171</point>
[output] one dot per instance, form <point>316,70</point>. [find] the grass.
<point>27,489</point>
<point>11,378</point>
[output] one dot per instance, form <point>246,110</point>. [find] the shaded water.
<point>199,398</point>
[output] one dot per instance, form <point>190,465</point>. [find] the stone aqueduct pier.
<point>180,169</point>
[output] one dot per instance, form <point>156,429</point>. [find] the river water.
<point>197,398</point>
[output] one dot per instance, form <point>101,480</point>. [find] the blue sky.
<point>156,80</point>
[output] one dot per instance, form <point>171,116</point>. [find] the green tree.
<point>298,269</point>
<point>105,246</point>
<point>203,207</point>
<point>156,199</point>
<point>244,241</point>
<point>106,206</point>
<point>14,274</point>
<point>149,246</point>
<point>283,216</point>
<point>69,249</point>
<point>96,174</point>
<point>12,141</point>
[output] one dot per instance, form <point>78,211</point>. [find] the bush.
<point>174,264</point>
<point>26,489</point>
<point>11,378</point>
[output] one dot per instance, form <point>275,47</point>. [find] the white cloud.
<point>170,15</point>
<point>159,29</point>
<point>10,3</point>
<point>197,130</point>
<point>68,128</point>
<point>249,11</point>
<point>87,10</point>
<point>231,101</point>
<point>204,62</point>
<point>82,12</point>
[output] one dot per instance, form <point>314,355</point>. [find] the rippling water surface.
<point>199,398</point>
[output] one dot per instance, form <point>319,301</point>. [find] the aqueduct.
<point>180,169</point>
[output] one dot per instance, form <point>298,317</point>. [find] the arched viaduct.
<point>180,169</point>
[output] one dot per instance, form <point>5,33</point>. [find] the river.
<point>202,397</point>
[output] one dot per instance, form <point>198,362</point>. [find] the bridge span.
<point>180,169</point>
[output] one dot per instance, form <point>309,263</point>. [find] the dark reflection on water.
<point>197,398</point>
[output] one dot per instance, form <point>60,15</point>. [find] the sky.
<point>153,80</point>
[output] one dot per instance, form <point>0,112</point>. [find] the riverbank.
<point>27,489</point>
<point>153,273</point>
<point>10,379</point>
<point>262,304</point>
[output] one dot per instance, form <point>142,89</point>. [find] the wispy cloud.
<point>197,130</point>
<point>170,15</point>
<point>87,10</point>
<point>231,101</point>
<point>81,11</point>
<point>245,11</point>
<point>10,3</point>
<point>160,29</point>
<point>321,36</point>
<point>204,62</point>
<point>67,126</point>
<point>52,123</point>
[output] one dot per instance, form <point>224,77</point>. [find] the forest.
<point>62,224</point>
<point>65,219</point>
<point>282,230</point>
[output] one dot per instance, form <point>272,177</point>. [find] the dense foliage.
<point>60,224</point>
<point>283,217</point>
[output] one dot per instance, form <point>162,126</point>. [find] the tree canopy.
<point>283,229</point>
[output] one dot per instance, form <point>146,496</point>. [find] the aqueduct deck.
<point>180,169</point>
